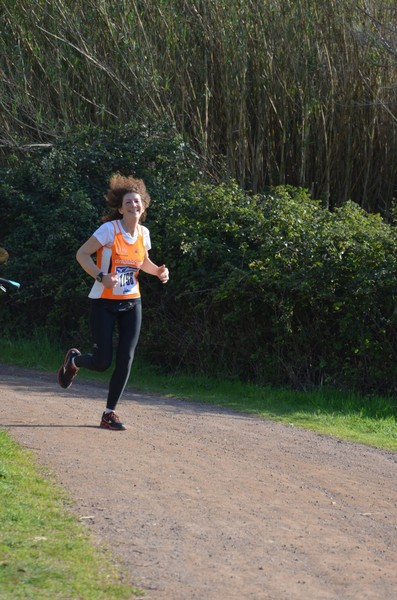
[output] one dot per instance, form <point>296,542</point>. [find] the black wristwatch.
<point>99,277</point>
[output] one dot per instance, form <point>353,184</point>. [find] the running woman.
<point>121,246</point>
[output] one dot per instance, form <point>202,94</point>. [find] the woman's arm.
<point>84,258</point>
<point>161,272</point>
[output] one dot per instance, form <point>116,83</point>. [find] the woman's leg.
<point>129,326</point>
<point>102,322</point>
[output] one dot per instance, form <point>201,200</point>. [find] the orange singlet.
<point>124,259</point>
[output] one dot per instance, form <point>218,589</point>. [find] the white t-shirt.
<point>105,235</point>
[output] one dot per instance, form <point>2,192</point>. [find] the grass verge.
<point>45,552</point>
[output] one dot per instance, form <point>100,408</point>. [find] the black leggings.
<point>103,318</point>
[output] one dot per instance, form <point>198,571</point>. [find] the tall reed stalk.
<point>268,91</point>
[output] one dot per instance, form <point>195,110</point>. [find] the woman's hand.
<point>163,274</point>
<point>110,280</point>
<point>150,267</point>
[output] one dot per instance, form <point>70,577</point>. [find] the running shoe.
<point>67,371</point>
<point>112,421</point>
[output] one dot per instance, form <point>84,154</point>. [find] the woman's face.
<point>132,205</point>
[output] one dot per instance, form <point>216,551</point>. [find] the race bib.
<point>127,281</point>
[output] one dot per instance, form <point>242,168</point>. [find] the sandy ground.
<point>198,503</point>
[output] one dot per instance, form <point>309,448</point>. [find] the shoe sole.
<point>60,382</point>
<point>60,370</point>
<point>105,425</point>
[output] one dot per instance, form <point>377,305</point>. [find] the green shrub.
<point>274,288</point>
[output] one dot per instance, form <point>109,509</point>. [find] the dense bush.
<point>267,287</point>
<point>274,288</point>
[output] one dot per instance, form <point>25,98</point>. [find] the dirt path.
<point>205,504</point>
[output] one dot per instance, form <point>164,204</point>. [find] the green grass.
<point>367,420</point>
<point>44,551</point>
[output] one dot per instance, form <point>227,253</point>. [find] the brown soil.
<point>199,503</point>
